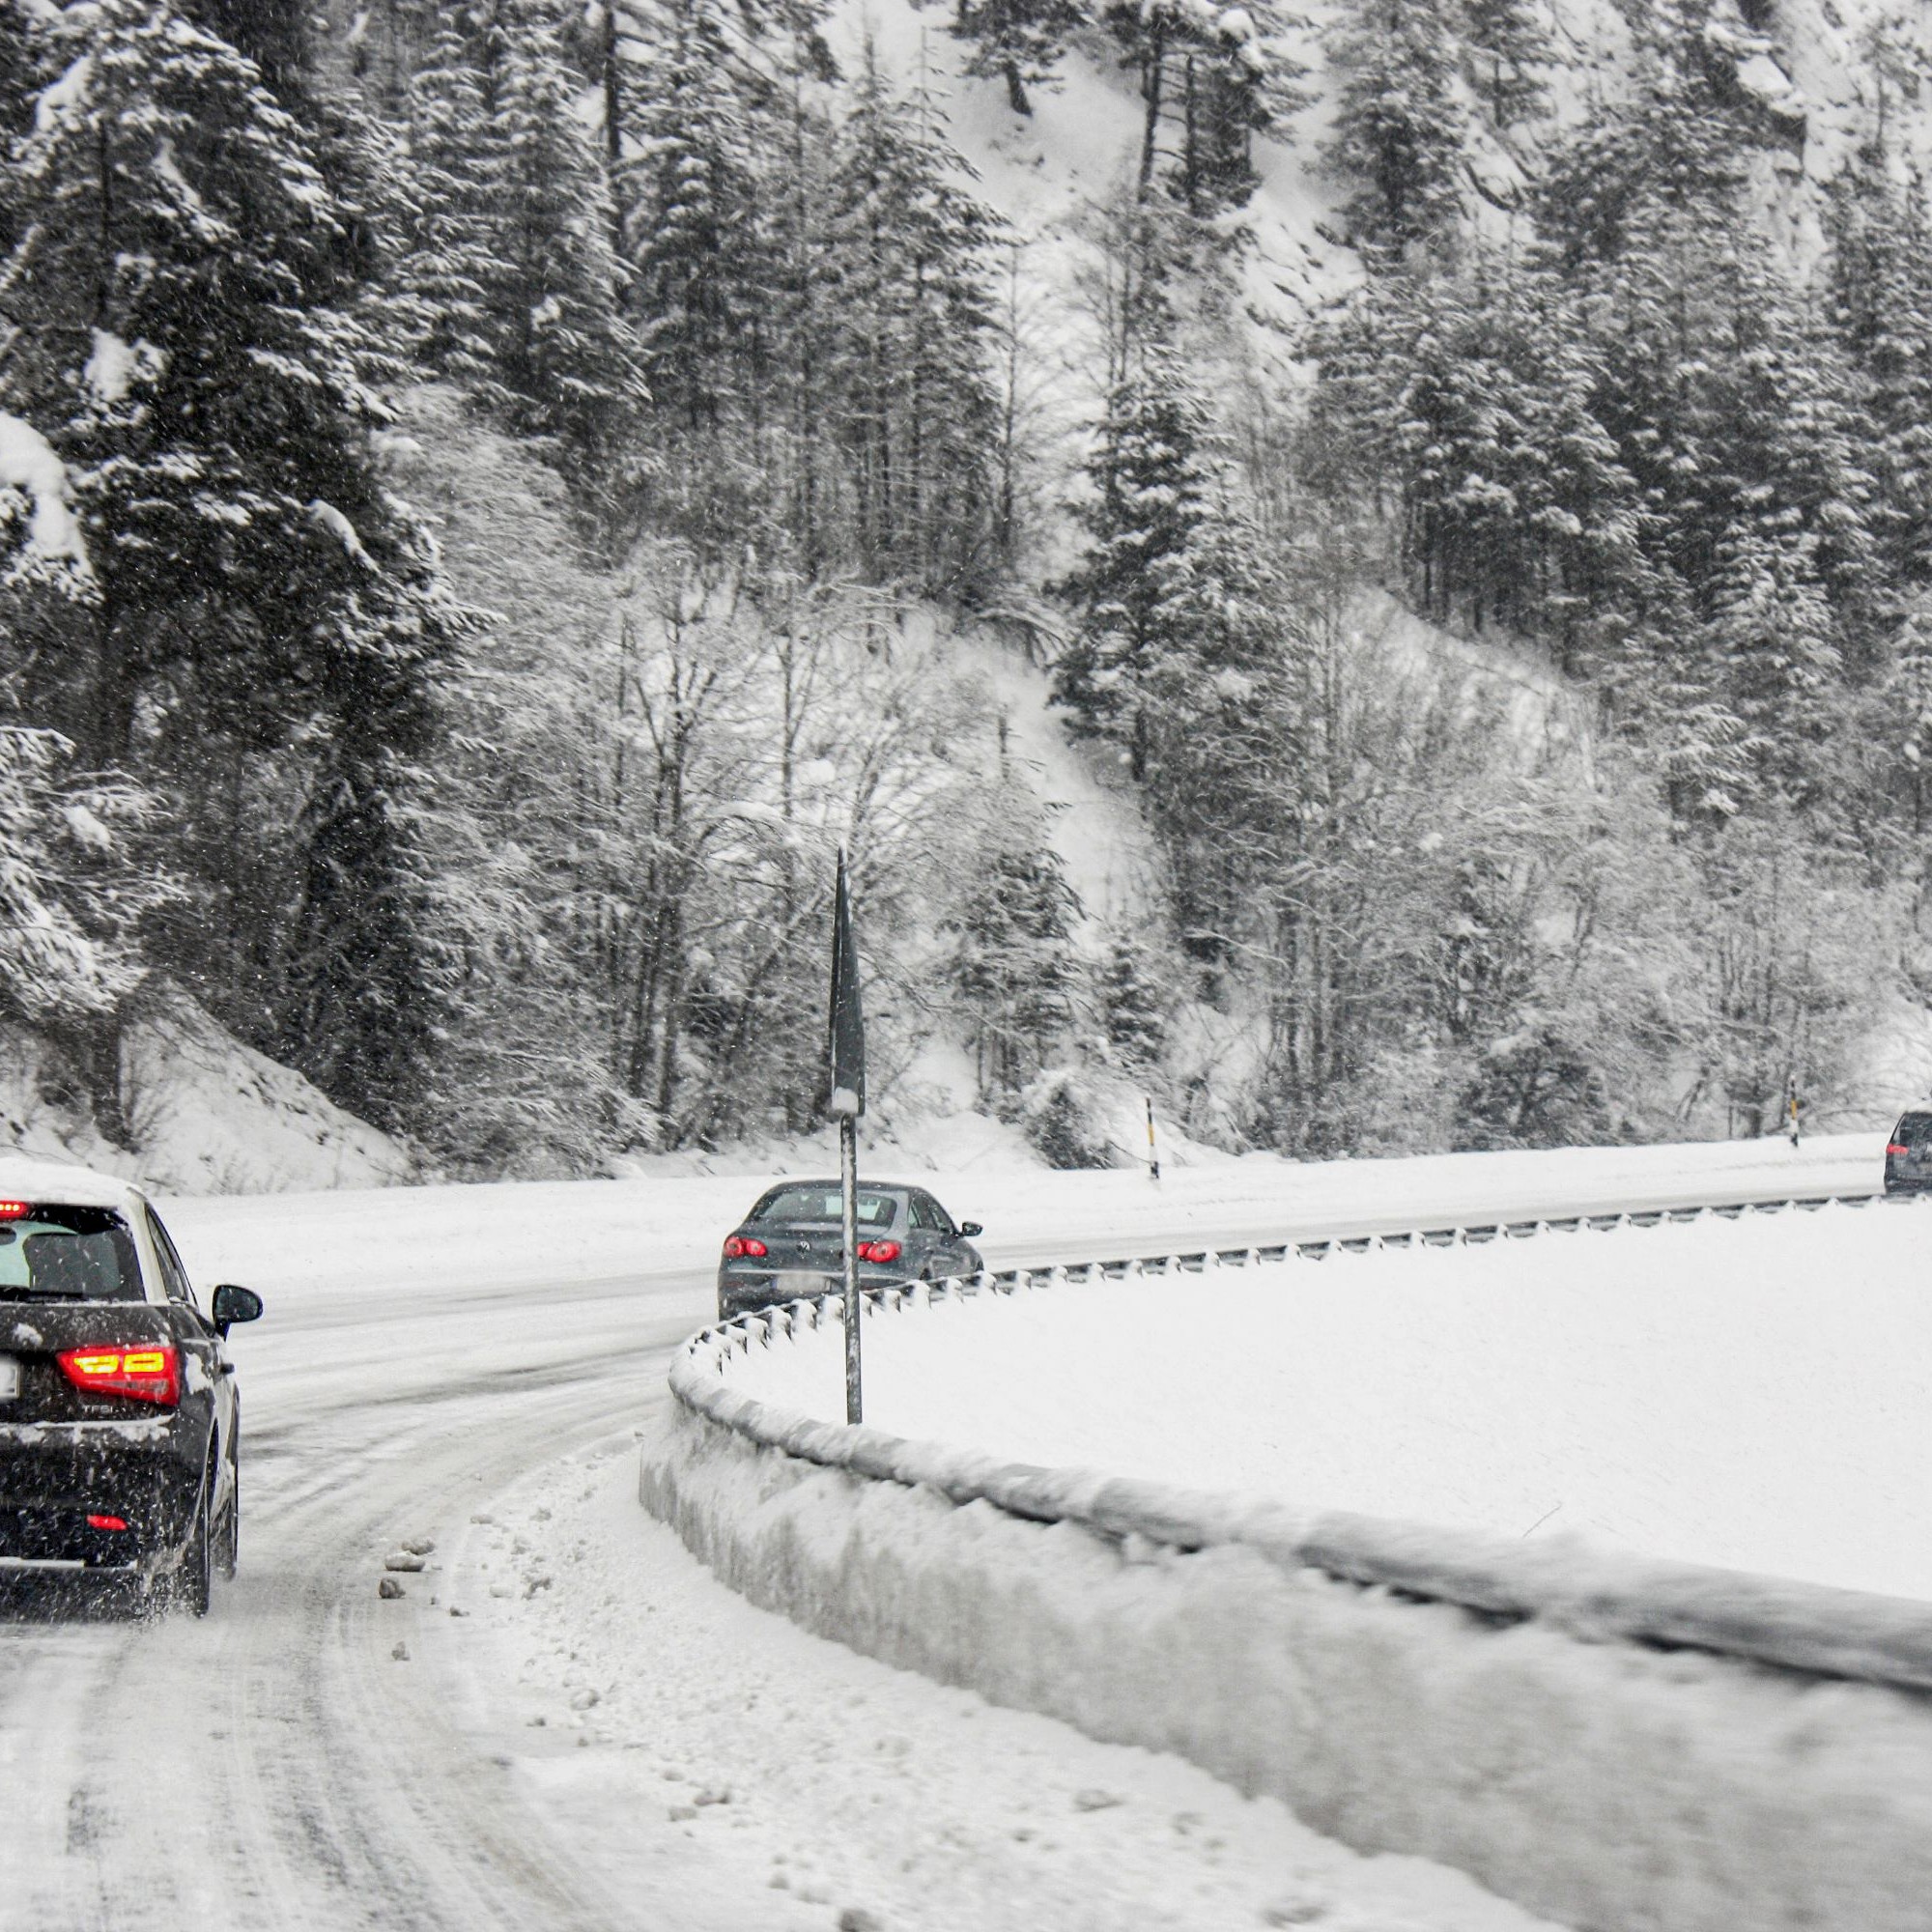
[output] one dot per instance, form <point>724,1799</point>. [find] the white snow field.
<point>434,1356</point>
<point>1755,1395</point>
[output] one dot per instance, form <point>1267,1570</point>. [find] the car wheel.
<point>194,1580</point>
<point>228,1541</point>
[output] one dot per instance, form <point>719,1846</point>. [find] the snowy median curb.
<point>1607,1739</point>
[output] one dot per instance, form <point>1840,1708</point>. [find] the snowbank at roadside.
<point>698,1750</point>
<point>1598,1783</point>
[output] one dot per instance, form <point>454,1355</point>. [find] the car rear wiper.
<point>19,1291</point>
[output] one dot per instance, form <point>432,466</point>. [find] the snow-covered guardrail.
<point>1795,1626</point>
<point>1609,1739</point>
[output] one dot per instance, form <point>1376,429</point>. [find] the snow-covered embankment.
<point>1553,1743</point>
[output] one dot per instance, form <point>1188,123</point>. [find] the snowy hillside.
<point>1812,66</point>
<point>202,1113</point>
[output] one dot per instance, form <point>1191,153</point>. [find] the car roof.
<point>31,1178</point>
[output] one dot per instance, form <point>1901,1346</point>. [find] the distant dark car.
<point>1907,1155</point>
<point>791,1245</point>
<point>119,1426</point>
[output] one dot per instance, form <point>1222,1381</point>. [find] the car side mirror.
<point>234,1304</point>
<point>968,1229</point>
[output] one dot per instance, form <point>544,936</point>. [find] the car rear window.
<point>1914,1131</point>
<point>67,1253</point>
<point>823,1204</point>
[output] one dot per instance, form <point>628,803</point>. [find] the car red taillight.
<point>1893,1146</point>
<point>737,1247</point>
<point>14,1210</point>
<point>107,1523</point>
<point>149,1372</point>
<point>878,1252</point>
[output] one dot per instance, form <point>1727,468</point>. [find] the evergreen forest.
<point>488,491</point>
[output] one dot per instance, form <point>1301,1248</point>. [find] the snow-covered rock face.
<point>207,1115</point>
<point>213,1115</point>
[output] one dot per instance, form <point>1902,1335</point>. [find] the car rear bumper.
<point>54,1476</point>
<point>739,1293</point>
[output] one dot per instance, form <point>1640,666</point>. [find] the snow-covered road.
<point>439,1355</point>
<point>607,1738</point>
<point>276,1766</point>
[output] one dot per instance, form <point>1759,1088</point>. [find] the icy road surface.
<point>315,1756</point>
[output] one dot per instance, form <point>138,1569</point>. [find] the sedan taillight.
<point>737,1247</point>
<point>878,1253</point>
<point>149,1372</point>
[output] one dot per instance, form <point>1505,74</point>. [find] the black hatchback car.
<point>119,1418</point>
<point>792,1243</point>
<point>1908,1154</point>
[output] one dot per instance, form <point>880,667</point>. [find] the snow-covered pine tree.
<point>1906,705</point>
<point>1015,968</point>
<point>445,288</point>
<point>1772,637</point>
<point>565,349</point>
<point>368,971</point>
<point>691,221</point>
<point>909,261</point>
<point>1132,1014</point>
<point>1398,129</point>
<point>509,281</point>
<point>1474,395</point>
<point>1017,42</point>
<point>186,347</point>
<point>1223,75</point>
<point>1236,81</point>
<point>76,879</point>
<point>1133,590</point>
<point>1664,154</point>
<point>1507,51</point>
<point>1880,291</point>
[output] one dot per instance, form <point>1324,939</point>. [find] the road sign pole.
<point>848,1173</point>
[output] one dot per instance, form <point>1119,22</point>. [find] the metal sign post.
<point>847,1051</point>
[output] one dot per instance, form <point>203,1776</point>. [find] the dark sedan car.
<point>1908,1154</point>
<point>791,1245</point>
<point>119,1418</point>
